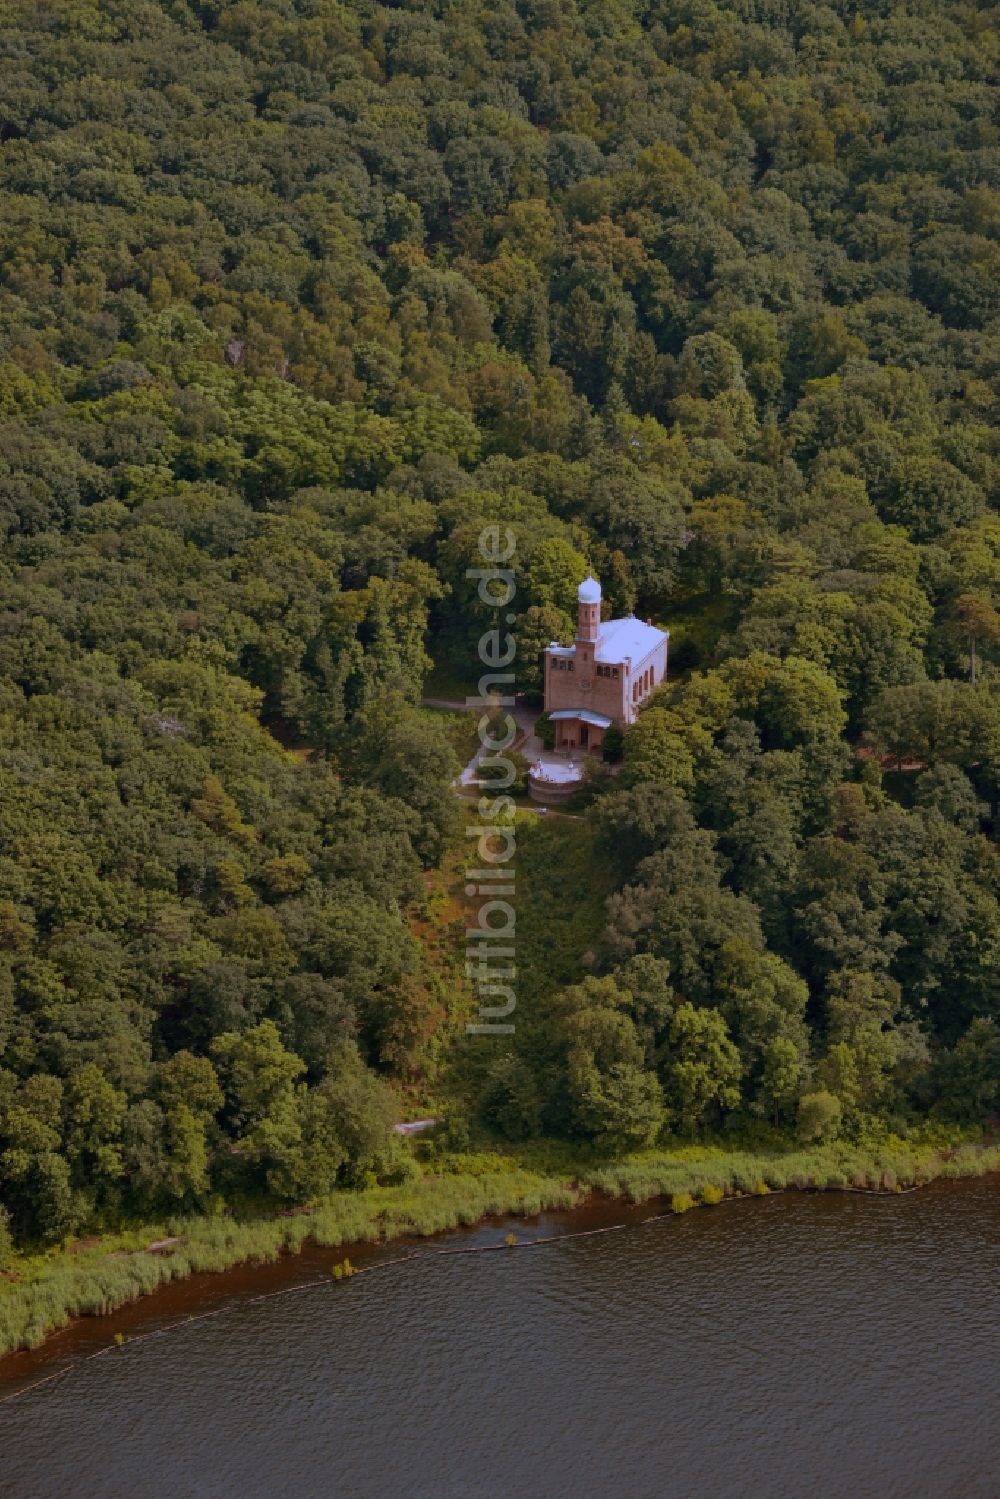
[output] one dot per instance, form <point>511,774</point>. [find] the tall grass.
<point>886,1167</point>
<point>55,1287</point>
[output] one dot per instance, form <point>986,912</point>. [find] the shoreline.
<point>88,1293</point>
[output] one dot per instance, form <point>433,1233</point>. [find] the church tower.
<point>588,615</point>
<point>588,606</point>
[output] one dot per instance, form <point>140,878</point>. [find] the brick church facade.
<point>604,676</point>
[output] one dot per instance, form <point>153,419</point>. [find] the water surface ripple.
<point>831,1346</point>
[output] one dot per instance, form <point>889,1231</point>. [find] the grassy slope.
<point>562,888</point>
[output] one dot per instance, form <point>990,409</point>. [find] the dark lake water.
<point>810,1347</point>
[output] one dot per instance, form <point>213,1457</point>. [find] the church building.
<point>604,676</point>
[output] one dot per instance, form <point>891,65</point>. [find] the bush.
<point>511,1101</point>
<point>398,1167</point>
<point>6,1239</point>
<point>595,781</point>
<point>522,770</point>
<point>710,1195</point>
<point>681,1202</point>
<point>546,731</point>
<point>453,1135</point>
<point>612,744</point>
<point>684,655</point>
<point>819,1116</point>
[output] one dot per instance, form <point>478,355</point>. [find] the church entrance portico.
<point>579,729</point>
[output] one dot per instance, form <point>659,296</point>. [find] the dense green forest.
<point>295,296</point>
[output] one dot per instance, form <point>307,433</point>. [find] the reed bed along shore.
<point>96,1278</point>
<point>708,1177</point>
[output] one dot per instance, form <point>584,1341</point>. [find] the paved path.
<point>530,745</point>
<point>532,748</point>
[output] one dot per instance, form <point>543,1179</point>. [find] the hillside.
<point>295,297</point>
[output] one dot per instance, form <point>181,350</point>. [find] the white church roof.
<point>589,591</point>
<point>619,638</point>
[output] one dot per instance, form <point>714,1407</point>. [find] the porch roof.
<point>596,720</point>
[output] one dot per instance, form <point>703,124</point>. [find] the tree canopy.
<point>295,296</point>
